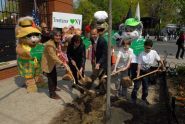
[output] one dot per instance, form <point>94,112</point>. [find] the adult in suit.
<point>49,62</point>
<point>99,57</point>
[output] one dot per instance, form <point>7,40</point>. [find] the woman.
<point>49,61</point>
<point>76,55</point>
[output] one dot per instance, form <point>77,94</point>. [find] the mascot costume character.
<point>131,29</point>
<point>29,52</point>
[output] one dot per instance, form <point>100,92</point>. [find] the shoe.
<point>55,96</point>
<point>57,89</point>
<point>146,102</point>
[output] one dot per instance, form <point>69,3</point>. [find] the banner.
<point>61,20</point>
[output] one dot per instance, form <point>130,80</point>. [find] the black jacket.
<point>78,55</point>
<point>101,52</point>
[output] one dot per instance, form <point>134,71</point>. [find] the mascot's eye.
<point>129,28</point>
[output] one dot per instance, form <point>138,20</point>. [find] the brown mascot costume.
<point>29,52</point>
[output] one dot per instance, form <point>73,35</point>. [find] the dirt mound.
<point>84,110</point>
<point>91,110</point>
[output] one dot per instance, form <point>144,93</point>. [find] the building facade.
<point>11,10</point>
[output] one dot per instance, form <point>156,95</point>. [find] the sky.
<point>77,3</point>
<point>2,4</point>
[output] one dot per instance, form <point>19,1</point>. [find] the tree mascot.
<point>29,52</point>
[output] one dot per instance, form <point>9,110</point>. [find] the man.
<point>45,33</point>
<point>94,39</point>
<point>99,56</point>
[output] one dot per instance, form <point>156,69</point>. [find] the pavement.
<point>19,107</point>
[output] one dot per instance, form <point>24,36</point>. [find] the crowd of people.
<point>66,48</point>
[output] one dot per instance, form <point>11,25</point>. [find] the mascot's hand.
<point>21,52</point>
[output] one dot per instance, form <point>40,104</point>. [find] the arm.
<point>161,64</point>
<point>52,54</point>
<point>139,65</point>
<point>138,70</point>
<point>83,58</point>
<point>128,64</point>
<point>117,61</point>
<point>104,50</point>
<point>21,52</point>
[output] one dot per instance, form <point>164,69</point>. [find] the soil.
<point>91,110</point>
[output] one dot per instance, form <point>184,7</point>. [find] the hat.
<point>87,28</point>
<point>132,22</point>
<point>25,21</point>
<point>22,32</point>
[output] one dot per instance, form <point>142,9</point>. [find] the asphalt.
<point>19,107</point>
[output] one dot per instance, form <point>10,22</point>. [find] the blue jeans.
<point>137,84</point>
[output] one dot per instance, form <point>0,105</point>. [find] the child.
<point>145,61</point>
<point>123,60</point>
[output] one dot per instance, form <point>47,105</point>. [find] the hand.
<point>73,62</point>
<point>114,71</point>
<point>67,67</point>
<point>97,66</point>
<point>81,69</point>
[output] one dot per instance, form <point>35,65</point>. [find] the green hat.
<point>132,22</point>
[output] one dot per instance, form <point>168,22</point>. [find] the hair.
<point>54,32</point>
<point>126,41</point>
<point>148,42</point>
<point>64,30</point>
<point>76,38</point>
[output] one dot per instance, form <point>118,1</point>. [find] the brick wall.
<point>8,72</point>
<point>46,7</point>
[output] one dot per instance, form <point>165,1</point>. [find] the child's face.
<point>147,48</point>
<point>126,45</point>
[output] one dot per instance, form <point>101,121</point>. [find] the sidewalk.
<point>18,107</point>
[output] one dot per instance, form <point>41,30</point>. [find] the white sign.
<point>61,20</point>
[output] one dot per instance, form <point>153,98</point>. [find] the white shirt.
<point>124,56</point>
<point>147,59</point>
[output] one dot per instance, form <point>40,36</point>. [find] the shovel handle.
<point>112,73</point>
<point>79,72</point>
<point>146,74</point>
<point>68,68</point>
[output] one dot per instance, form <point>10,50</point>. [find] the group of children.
<point>144,62</point>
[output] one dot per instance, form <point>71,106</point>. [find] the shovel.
<point>105,76</point>
<point>78,86</point>
<point>84,80</point>
<point>146,74</point>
